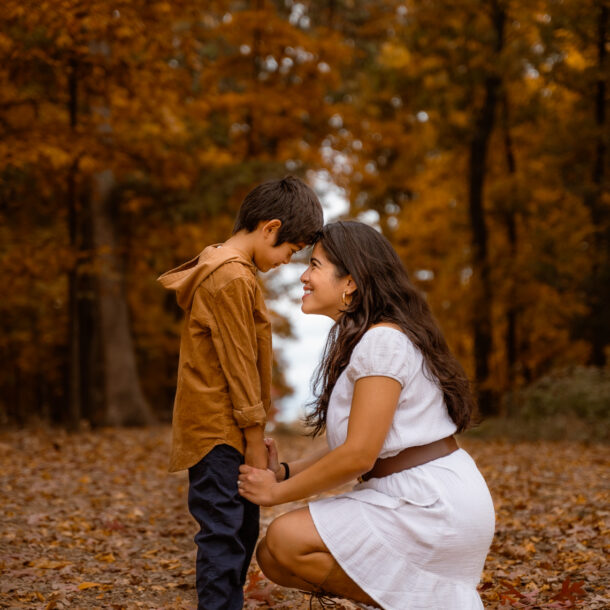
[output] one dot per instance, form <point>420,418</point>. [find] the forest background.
<point>477,130</point>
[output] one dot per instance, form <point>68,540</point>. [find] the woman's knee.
<point>279,543</point>
<point>266,562</point>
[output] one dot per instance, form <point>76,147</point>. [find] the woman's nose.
<point>304,275</point>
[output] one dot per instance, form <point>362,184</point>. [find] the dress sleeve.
<point>234,336</point>
<point>382,352</point>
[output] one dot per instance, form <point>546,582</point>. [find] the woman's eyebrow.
<point>313,259</point>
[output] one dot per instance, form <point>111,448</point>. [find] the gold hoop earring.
<point>343,299</point>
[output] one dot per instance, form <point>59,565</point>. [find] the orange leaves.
<point>394,56</point>
<point>47,564</point>
<point>570,595</point>
<point>548,550</point>
<point>89,585</point>
<point>259,590</point>
<point>125,538</point>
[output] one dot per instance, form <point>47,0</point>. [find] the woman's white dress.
<point>416,539</point>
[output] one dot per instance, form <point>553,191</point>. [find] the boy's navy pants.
<point>229,529</point>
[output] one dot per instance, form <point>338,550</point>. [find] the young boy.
<point>224,377</point>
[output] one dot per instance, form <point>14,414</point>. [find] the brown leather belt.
<point>411,457</point>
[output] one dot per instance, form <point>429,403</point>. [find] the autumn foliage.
<point>474,133</point>
<point>81,530</point>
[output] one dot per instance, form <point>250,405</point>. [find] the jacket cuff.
<point>250,416</point>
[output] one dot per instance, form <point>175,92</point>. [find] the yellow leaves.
<point>16,11</point>
<point>171,564</point>
<point>5,43</point>
<point>88,164</point>
<point>119,99</point>
<point>577,60</point>
<point>459,118</point>
<point>88,585</point>
<point>123,32</point>
<point>105,557</point>
<point>394,56</point>
<point>56,156</point>
<point>178,180</point>
<point>48,564</point>
<point>63,40</point>
<point>529,548</point>
<point>212,157</point>
<point>137,204</point>
<point>163,8</point>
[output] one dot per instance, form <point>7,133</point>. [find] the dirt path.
<point>93,520</point>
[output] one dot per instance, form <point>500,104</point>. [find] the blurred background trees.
<point>477,130</point>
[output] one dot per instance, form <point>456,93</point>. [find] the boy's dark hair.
<point>291,201</point>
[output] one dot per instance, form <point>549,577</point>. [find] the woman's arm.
<point>373,406</point>
<point>295,466</point>
<point>306,461</point>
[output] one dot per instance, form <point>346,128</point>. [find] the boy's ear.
<point>271,227</point>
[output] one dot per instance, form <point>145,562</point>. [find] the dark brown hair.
<point>291,201</point>
<point>384,294</point>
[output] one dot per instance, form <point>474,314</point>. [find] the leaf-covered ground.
<point>93,520</point>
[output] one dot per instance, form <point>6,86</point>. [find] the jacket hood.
<point>186,278</point>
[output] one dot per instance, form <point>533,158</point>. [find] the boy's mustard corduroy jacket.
<point>224,370</point>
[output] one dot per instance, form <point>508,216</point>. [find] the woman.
<point>415,531</point>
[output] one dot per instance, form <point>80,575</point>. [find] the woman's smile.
<point>322,287</point>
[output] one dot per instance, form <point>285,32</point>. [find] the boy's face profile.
<point>266,254</point>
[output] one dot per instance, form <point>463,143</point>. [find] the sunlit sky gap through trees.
<point>301,353</point>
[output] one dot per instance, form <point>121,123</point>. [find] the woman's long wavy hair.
<point>384,294</point>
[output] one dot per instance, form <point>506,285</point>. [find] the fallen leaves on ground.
<point>93,520</point>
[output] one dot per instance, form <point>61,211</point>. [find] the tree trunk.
<point>482,290</point>
<point>510,220</point>
<point>74,414</point>
<point>124,401</point>
<point>598,326</point>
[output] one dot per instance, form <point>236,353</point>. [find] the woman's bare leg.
<point>292,554</point>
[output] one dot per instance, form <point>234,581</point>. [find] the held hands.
<point>257,485</point>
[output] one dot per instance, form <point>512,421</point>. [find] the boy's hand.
<point>258,486</point>
<point>256,451</point>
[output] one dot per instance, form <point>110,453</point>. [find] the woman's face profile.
<point>322,289</point>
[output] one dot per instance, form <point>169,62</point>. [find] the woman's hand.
<point>274,460</point>
<point>257,485</point>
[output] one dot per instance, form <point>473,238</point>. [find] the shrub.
<point>582,392</point>
<point>571,404</point>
